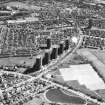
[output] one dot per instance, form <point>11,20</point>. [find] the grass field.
<point>100,55</point>
<point>56,95</point>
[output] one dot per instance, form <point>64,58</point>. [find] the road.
<point>80,94</point>
<point>66,56</point>
<point>60,60</point>
<point>54,64</point>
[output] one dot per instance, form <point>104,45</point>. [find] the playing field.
<point>56,95</point>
